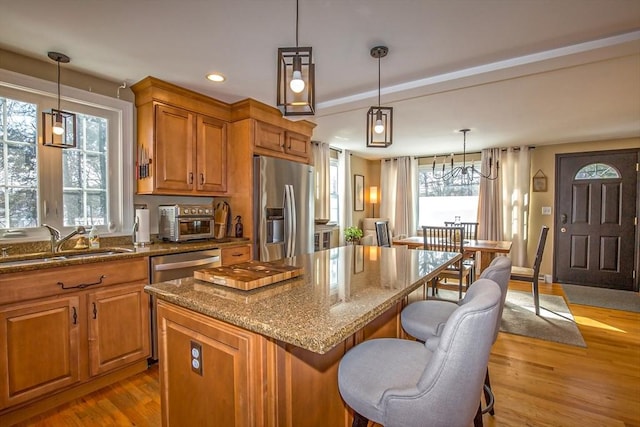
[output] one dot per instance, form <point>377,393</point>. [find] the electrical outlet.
<point>196,357</point>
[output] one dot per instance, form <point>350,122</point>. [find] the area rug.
<point>555,322</point>
<point>601,297</point>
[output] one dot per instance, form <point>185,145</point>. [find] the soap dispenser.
<point>239,227</point>
<point>94,238</point>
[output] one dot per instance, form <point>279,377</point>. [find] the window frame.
<point>120,175</point>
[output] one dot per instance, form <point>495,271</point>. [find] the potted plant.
<point>352,235</point>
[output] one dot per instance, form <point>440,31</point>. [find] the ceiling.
<point>514,72</point>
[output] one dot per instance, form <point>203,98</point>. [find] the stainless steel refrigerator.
<point>284,204</point>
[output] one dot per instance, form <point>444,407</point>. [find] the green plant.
<point>352,234</point>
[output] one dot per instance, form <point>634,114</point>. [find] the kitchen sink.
<point>62,256</point>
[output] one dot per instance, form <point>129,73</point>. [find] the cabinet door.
<point>211,155</point>
<point>297,144</point>
<point>174,150</point>
<point>269,136</point>
<point>118,327</point>
<point>209,375</point>
<point>39,348</point>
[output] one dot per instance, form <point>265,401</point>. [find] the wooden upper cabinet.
<point>211,155</point>
<point>297,144</point>
<point>174,149</point>
<point>269,136</point>
<point>281,142</point>
<point>182,137</point>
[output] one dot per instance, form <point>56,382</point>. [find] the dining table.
<point>486,249</point>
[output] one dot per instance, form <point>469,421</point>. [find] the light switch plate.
<point>546,210</point>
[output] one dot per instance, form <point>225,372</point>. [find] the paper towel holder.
<point>135,231</point>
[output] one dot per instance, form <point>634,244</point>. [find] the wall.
<point>543,158</point>
<point>46,69</point>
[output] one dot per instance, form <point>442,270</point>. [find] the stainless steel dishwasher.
<point>176,266</point>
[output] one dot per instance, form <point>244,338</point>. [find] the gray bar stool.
<point>397,382</point>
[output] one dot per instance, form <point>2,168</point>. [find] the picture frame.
<point>539,183</point>
<point>358,192</point>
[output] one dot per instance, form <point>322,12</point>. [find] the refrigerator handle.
<point>290,220</point>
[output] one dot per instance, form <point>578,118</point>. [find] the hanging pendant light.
<point>58,126</point>
<point>379,119</point>
<point>296,79</point>
<point>465,174</point>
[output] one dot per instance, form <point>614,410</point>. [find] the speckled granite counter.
<point>341,291</point>
<point>10,264</point>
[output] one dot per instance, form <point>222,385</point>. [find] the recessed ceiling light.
<point>216,77</point>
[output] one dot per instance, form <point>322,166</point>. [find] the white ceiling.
<point>513,71</point>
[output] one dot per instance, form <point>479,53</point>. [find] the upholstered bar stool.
<point>397,382</point>
<point>425,320</point>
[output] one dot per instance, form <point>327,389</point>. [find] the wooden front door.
<point>596,242</point>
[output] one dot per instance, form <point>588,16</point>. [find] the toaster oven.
<point>181,222</point>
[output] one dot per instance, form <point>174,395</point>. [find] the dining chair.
<point>382,233</point>
<point>425,320</point>
<point>525,274</point>
<point>470,233</point>
<point>399,382</point>
<point>447,239</point>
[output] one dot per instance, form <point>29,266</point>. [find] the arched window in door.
<point>597,171</point>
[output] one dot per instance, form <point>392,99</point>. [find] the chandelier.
<point>465,174</point>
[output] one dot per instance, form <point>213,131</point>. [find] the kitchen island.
<point>269,357</point>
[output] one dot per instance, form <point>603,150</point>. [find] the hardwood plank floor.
<point>536,383</point>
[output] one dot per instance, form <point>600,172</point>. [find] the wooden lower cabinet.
<point>236,254</point>
<point>39,349</point>
<point>67,331</point>
<point>248,379</point>
<point>118,327</point>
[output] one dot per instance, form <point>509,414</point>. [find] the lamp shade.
<point>376,117</point>
<point>373,194</point>
<point>52,137</point>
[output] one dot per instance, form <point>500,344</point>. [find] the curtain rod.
<point>330,147</point>
<point>473,152</point>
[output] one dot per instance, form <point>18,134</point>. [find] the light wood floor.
<point>536,383</point>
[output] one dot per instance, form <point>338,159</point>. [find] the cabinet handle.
<point>237,254</point>
<point>190,177</point>
<point>82,285</point>
<point>201,179</point>
<point>75,316</point>
<point>95,311</point>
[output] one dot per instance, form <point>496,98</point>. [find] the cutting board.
<point>248,275</point>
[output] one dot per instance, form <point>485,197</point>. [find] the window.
<point>334,211</point>
<point>87,185</point>
<point>597,171</point>
<point>440,201</point>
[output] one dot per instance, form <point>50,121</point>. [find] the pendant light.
<point>296,79</point>
<point>379,119</point>
<point>58,126</point>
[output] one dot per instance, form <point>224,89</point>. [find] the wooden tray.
<point>248,275</point>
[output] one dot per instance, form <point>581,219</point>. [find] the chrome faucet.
<point>57,241</point>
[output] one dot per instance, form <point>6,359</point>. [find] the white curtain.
<point>346,195</point>
<point>321,160</point>
<point>398,195</point>
<point>503,207</point>
<point>515,174</point>
<point>490,199</point>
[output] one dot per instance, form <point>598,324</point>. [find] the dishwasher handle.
<point>185,264</point>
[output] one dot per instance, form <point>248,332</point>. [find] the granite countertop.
<point>12,264</point>
<point>340,292</point>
